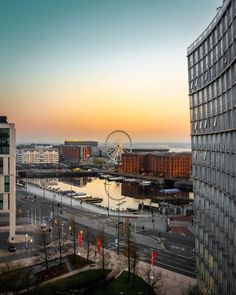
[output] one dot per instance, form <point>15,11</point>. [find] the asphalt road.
<point>180,261</point>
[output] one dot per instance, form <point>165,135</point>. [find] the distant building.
<point>8,174</point>
<point>37,155</point>
<point>81,143</point>
<point>75,151</point>
<point>162,165</point>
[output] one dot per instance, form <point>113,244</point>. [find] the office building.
<point>8,174</point>
<point>212,93</point>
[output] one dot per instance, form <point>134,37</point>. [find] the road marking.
<point>183,270</point>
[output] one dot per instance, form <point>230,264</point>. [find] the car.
<point>12,248</point>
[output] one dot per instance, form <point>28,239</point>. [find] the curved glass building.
<point>212,93</point>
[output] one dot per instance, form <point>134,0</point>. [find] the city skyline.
<point>80,69</point>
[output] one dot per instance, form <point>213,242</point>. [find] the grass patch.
<point>121,284</point>
<point>78,261</point>
<point>52,272</point>
<point>26,277</point>
<point>82,280</point>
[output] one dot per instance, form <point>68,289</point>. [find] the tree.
<point>155,279</point>
<point>59,238</point>
<point>73,231</point>
<point>127,247</point>
<point>104,255</point>
<point>89,241</point>
<point>134,258</point>
<point>45,242</point>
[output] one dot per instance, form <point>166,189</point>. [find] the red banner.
<point>80,238</point>
<point>154,254</point>
<point>99,244</point>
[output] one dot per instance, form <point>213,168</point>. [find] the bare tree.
<point>45,242</point>
<point>127,248</point>
<point>134,259</point>
<point>73,231</point>
<point>59,238</point>
<point>104,255</point>
<point>155,279</point>
<point>89,241</point>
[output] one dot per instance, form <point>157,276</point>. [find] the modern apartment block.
<point>8,174</point>
<point>212,93</point>
<point>37,155</point>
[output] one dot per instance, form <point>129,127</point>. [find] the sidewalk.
<point>76,203</point>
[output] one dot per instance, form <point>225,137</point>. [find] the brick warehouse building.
<point>74,151</point>
<point>162,165</point>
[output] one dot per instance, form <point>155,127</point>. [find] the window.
<point>215,122</point>
<point>4,140</point>
<point>1,165</point>
<point>1,201</point>
<point>6,184</point>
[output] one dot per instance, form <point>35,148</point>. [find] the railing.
<point>209,28</point>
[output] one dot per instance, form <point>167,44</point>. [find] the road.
<point>147,240</point>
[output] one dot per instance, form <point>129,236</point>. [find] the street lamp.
<point>31,242</point>
<point>26,241</point>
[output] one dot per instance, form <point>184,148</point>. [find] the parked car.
<point>12,248</point>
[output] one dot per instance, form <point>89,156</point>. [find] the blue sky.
<point>61,58</point>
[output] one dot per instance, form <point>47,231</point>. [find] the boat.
<point>118,178</point>
<point>145,182</point>
<point>170,191</point>
<point>133,180</point>
<point>104,176</point>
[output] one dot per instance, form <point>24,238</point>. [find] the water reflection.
<point>132,195</point>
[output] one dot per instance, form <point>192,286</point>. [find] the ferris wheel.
<point>117,143</point>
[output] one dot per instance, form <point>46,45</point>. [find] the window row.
<point>224,27</point>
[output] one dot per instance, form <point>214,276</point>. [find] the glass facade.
<point>212,91</point>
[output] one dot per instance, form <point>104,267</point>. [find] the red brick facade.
<point>167,165</point>
<point>70,154</point>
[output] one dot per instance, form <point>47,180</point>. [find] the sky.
<point>79,69</point>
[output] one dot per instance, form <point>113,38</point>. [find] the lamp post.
<point>26,242</point>
<point>118,231</point>
<point>31,243</point>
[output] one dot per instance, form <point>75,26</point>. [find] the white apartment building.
<point>37,155</point>
<point>8,174</point>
